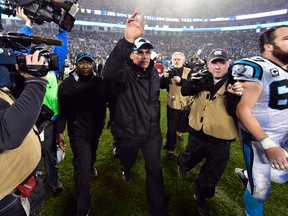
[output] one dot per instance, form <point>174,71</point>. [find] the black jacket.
<point>82,103</point>
<point>18,119</point>
<point>137,111</point>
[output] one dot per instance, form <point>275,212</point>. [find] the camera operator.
<point>195,63</point>
<point>211,125</point>
<point>177,121</point>
<point>49,111</point>
<point>20,148</point>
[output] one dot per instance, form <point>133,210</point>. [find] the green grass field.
<point>111,196</point>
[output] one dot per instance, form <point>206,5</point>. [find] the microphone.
<point>36,39</point>
<point>25,40</point>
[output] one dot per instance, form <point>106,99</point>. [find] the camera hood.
<point>24,2</point>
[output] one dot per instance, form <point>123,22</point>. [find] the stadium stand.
<point>239,44</point>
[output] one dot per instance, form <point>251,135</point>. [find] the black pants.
<point>49,155</point>
<point>11,205</point>
<point>173,120</point>
<point>216,157</point>
<point>150,148</point>
<point>84,151</point>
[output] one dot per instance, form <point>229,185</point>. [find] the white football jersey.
<point>271,109</point>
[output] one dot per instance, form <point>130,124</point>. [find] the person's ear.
<point>132,55</point>
<point>268,47</point>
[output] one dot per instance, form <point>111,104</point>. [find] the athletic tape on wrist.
<point>267,143</point>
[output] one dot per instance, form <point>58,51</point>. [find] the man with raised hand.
<point>136,122</point>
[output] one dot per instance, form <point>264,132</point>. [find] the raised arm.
<point>120,54</point>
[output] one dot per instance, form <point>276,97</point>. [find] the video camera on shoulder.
<point>41,11</point>
<point>20,42</point>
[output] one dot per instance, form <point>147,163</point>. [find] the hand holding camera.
<point>38,11</point>
<point>202,80</point>
<point>171,73</point>
<point>20,14</point>
<point>33,63</point>
<point>177,79</point>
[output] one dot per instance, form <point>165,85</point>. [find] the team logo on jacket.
<point>274,72</point>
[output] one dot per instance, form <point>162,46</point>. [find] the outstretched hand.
<point>134,26</point>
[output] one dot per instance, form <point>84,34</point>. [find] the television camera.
<point>11,42</point>
<point>41,11</point>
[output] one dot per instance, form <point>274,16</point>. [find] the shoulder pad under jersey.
<point>249,68</point>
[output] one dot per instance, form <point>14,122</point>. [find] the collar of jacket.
<point>77,76</point>
<point>143,72</point>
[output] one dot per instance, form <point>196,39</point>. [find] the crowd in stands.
<point>183,14</point>
<point>188,8</point>
<point>100,43</point>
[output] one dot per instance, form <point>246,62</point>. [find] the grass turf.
<point>111,196</point>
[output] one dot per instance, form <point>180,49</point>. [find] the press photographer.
<point>177,105</point>
<point>21,191</point>
<point>201,80</point>
<point>211,126</point>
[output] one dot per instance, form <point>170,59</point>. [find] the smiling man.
<point>136,122</point>
<point>83,97</point>
<point>141,54</point>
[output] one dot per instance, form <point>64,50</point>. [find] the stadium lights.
<point>166,28</point>
<point>259,15</point>
<point>175,19</point>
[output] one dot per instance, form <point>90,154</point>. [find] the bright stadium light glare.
<point>264,14</point>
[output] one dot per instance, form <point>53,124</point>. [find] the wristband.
<point>267,143</point>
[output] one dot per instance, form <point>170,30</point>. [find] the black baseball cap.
<point>85,55</point>
<point>218,54</point>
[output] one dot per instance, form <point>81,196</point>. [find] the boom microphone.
<point>14,39</point>
<point>36,39</point>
